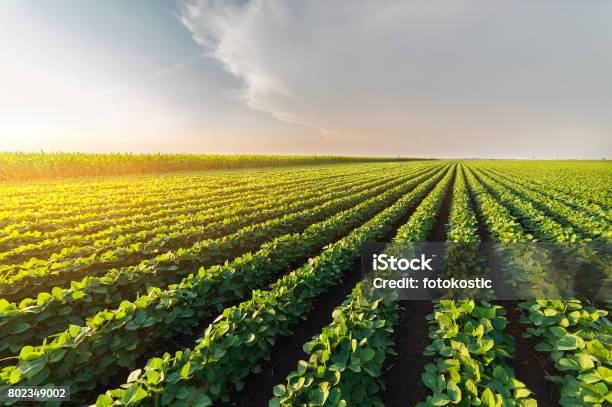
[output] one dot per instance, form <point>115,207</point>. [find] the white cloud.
<point>422,77</point>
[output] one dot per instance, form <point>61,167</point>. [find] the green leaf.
<point>589,378</point>
<point>25,352</point>
<point>454,392</point>
<point>598,350</point>
<point>203,401</point>
<point>569,342</point>
<point>104,401</point>
<point>584,361</point>
<point>134,394</point>
<point>20,327</point>
<point>439,399</point>
<point>530,403</point>
<point>134,376</point>
<point>367,354</point>
<point>185,370</point>
<point>429,380</point>
<point>471,387</point>
<point>215,388</point>
<point>605,373</point>
<point>543,347</point>
<point>15,376</point>
<point>521,393</point>
<point>57,355</point>
<point>279,390</point>
<point>488,398</point>
<point>500,374</point>
<point>317,397</point>
<point>558,331</point>
<point>601,388</point>
<point>182,393</point>
<point>568,364</point>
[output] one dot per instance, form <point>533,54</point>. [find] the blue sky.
<point>441,78</point>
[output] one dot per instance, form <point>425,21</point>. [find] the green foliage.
<point>470,353</point>
<point>26,166</point>
<point>119,337</point>
<point>18,280</point>
<point>119,268</point>
<point>51,313</point>
<point>578,338</point>
<point>567,327</point>
<point>469,347</point>
<point>241,337</point>
<point>346,359</point>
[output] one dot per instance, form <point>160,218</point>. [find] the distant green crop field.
<point>15,166</point>
<point>240,286</point>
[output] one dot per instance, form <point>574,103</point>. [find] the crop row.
<point>346,359</point>
<point>80,198</point>
<point>578,203</point>
<point>544,228</point>
<point>62,274</point>
<point>578,180</point>
<point>15,238</point>
<point>564,337</point>
<point>129,249</point>
<point>50,313</point>
<point>239,339</point>
<point>584,227</point>
<point>113,202</point>
<point>150,197</point>
<point>167,218</point>
<point>577,338</point>
<point>115,339</point>
<point>469,346</point>
<point>43,223</point>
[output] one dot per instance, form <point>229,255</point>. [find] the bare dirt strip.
<point>411,334</point>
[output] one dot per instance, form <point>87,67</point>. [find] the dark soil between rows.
<point>403,372</point>
<point>530,366</point>
<point>411,333</point>
<point>438,231</point>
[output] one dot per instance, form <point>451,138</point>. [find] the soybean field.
<point>242,287</point>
